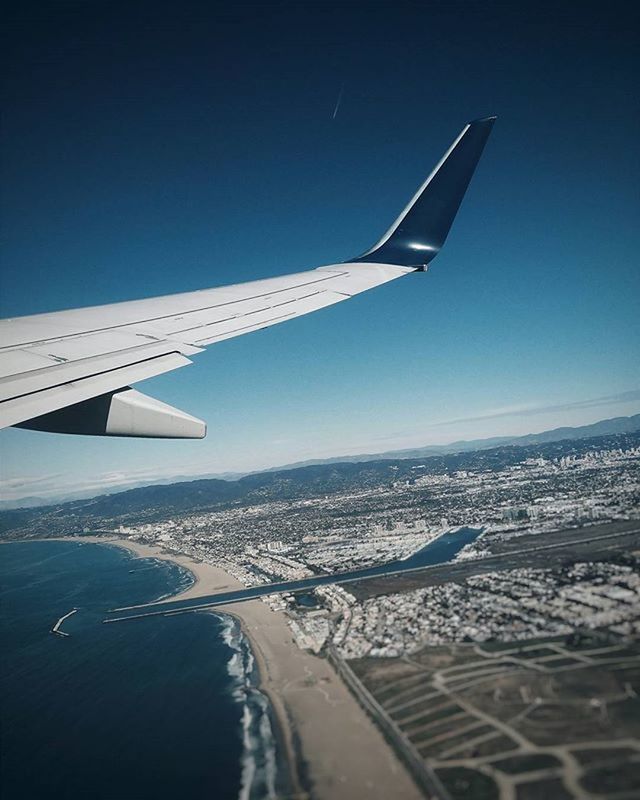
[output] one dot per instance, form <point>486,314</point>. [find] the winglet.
<point>416,237</point>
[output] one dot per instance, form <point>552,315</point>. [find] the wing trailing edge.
<point>70,371</point>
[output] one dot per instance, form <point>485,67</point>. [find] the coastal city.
<point>334,533</point>
<point>528,603</point>
<point>461,660</point>
<point>387,546</point>
<point>339,531</point>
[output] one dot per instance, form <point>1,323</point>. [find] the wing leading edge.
<point>70,371</point>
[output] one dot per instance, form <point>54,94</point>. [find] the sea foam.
<point>259,758</point>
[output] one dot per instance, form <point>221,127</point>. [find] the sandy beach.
<point>322,728</point>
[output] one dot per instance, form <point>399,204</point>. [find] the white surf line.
<point>56,627</point>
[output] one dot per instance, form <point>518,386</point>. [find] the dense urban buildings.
<point>509,671</point>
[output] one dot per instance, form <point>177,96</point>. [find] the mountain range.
<point>605,427</point>
<point>331,474</point>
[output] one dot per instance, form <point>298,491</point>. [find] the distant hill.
<point>24,502</point>
<point>157,502</point>
<point>183,492</point>
<point>605,427</point>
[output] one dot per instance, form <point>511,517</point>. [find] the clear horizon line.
<point>183,476</point>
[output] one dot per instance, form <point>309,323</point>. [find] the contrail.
<point>338,101</point>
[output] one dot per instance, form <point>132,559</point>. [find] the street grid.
<point>555,717</point>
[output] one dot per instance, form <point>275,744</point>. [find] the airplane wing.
<point>70,371</point>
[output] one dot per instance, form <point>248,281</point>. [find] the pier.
<point>56,627</point>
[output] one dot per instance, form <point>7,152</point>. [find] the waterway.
<point>443,549</point>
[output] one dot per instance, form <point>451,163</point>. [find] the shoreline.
<point>207,578</point>
<point>290,758</point>
<point>323,735</point>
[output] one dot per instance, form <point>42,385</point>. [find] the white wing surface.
<point>70,371</point>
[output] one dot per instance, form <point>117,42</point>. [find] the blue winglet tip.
<point>419,233</point>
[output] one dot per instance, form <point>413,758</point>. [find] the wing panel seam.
<point>132,324</point>
<point>91,375</point>
<point>256,325</point>
<point>249,313</point>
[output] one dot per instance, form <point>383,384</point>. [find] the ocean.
<point>163,707</point>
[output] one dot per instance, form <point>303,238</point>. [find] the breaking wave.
<point>259,758</point>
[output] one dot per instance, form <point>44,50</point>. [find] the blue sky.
<point>151,149</point>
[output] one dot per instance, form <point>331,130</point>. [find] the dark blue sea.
<point>163,708</point>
